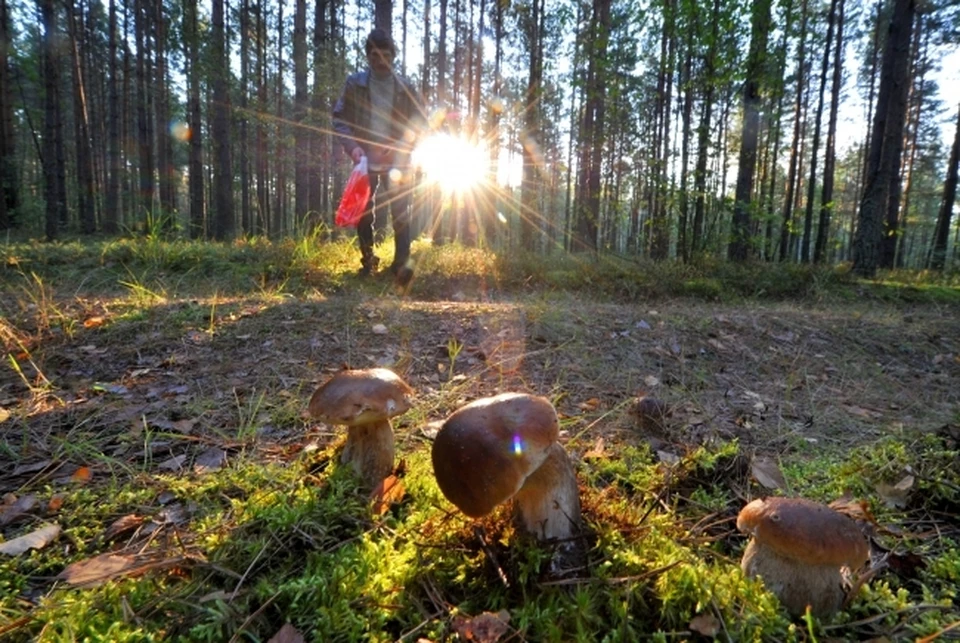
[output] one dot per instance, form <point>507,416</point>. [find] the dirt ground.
<point>774,376</point>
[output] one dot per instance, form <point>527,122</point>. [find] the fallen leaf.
<point>98,569</point>
<point>122,525</point>
<point>37,539</point>
<point>210,460</point>
<point>589,405</point>
<point>378,329</point>
<point>388,492</point>
<point>173,464</point>
<point>31,468</point>
<point>895,495</point>
<point>856,509</point>
<point>668,458</point>
<point>861,412</point>
<point>287,634</point>
<point>82,475</point>
<point>93,322</point>
<point>706,624</point>
<point>767,472</point>
<point>17,509</point>
<point>483,628</point>
<point>597,451</point>
<point>217,595</point>
<point>651,381</point>
<point>4,415</point>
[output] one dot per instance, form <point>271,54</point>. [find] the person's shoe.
<point>368,266</point>
<point>402,277</point>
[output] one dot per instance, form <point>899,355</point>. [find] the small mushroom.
<point>799,547</point>
<point>503,447</point>
<point>364,400</point>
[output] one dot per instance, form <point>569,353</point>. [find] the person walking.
<point>379,115</point>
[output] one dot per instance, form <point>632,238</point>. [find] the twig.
<point>478,532</point>
<point>249,567</point>
<point>936,635</point>
<point>611,581</point>
<point>880,617</point>
<point>256,613</point>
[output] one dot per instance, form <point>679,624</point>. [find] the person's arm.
<point>344,114</point>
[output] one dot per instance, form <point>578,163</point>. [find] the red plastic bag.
<point>355,196</point>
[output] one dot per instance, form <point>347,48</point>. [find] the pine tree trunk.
<point>279,212</point>
<point>9,181</point>
<point>760,29</point>
<point>792,171</point>
<point>938,260</point>
<point>144,98</point>
<point>224,228</point>
<point>195,162</point>
<point>111,214</point>
<point>886,143</point>
<point>301,140</point>
<point>827,206</point>
<point>703,135</point>
<point>54,166</point>
<point>81,123</point>
<point>248,225</point>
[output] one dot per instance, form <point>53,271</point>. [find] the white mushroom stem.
<point>796,584</point>
<point>369,450</point>
<point>548,503</point>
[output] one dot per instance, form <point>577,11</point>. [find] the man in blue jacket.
<point>378,116</point>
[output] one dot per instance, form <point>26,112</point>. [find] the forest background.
<point>666,129</point>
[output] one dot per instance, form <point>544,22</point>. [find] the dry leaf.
<point>4,415</point>
<point>82,475</point>
<point>856,509</point>
<point>589,405</point>
<point>668,458</point>
<point>767,472</point>
<point>388,492</point>
<point>860,412</point>
<point>210,460</point>
<point>31,468</point>
<point>896,495</point>
<point>123,525</point>
<point>483,628</point>
<point>651,381</point>
<point>597,451</point>
<point>37,539</point>
<point>216,595</point>
<point>379,329</point>
<point>98,569</point>
<point>287,634</point>
<point>173,464</point>
<point>706,624</point>
<point>94,322</point>
<point>17,508</point>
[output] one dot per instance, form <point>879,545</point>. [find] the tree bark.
<point>886,143</point>
<point>302,140</point>
<point>827,206</point>
<point>703,134</point>
<point>224,227</point>
<point>54,166</point>
<point>9,174</point>
<point>938,259</point>
<point>760,29</point>
<point>785,229</point>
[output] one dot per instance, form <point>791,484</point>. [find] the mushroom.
<point>503,447</point>
<point>364,400</point>
<point>798,547</point>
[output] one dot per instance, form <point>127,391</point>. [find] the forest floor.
<point>158,454</point>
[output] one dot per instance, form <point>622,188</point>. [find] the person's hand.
<point>356,154</point>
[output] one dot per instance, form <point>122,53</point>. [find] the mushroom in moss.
<point>364,400</point>
<point>799,548</point>
<point>503,447</point>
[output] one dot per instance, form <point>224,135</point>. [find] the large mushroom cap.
<point>805,531</point>
<point>362,396</point>
<point>485,450</point>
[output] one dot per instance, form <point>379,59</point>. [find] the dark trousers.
<point>396,199</point>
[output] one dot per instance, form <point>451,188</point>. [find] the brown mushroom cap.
<point>805,531</point>
<point>485,450</point>
<point>362,396</point>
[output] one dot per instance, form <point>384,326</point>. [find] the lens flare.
<point>517,445</point>
<point>452,162</point>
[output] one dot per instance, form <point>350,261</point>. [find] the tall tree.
<point>194,120</point>
<point>886,142</point>
<point>111,213</point>
<point>302,140</point>
<point>793,168</point>
<point>144,98</point>
<point>817,122</point>
<point>938,259</point>
<point>703,131</point>
<point>591,136</point>
<point>383,15</point>
<point>827,205</point>
<point>756,63</point>
<point>532,18</point>
<point>9,174</point>
<point>86,192</point>
<point>247,223</point>
<point>224,223</point>
<point>166,169</point>
<point>54,164</point>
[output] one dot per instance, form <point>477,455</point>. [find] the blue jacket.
<point>351,115</point>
